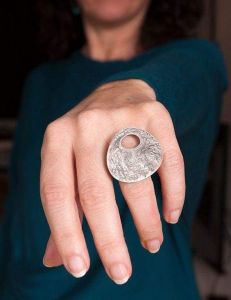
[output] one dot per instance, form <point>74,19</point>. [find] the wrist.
<point>135,85</point>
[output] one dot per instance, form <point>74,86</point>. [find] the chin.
<point>111,11</point>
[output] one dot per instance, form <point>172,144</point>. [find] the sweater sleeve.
<point>187,77</point>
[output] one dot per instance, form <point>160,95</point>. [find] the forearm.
<point>187,81</point>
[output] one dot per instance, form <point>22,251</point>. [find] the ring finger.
<point>141,200</point>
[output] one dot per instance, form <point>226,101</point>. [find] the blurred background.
<point>211,238</point>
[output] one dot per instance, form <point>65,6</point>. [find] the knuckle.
<point>177,198</point>
<point>161,109</point>
<point>53,128</point>
<point>51,193</point>
<point>138,191</point>
<point>89,125</point>
<point>148,107</point>
<point>164,128</point>
<point>174,160</point>
<point>49,135</point>
<point>133,189</point>
<point>55,132</point>
<point>163,124</point>
<point>137,194</point>
<point>67,236</point>
<point>109,244</point>
<point>43,151</point>
<point>156,222</point>
<point>56,136</point>
<point>92,197</point>
<point>90,117</point>
<point>152,229</point>
<point>150,233</point>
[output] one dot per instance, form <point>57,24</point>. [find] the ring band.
<point>134,164</point>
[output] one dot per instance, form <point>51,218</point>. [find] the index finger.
<point>59,199</point>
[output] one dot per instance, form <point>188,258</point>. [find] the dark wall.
<point>19,53</point>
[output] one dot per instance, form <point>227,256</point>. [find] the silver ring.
<point>134,164</point>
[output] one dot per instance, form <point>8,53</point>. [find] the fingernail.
<point>153,246</point>
<point>47,257</point>
<point>174,216</point>
<point>119,273</point>
<point>77,266</point>
<point>45,263</point>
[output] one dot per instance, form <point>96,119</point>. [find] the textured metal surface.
<point>133,164</point>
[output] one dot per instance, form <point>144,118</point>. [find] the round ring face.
<point>134,164</point>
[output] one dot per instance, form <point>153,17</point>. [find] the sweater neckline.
<point>77,55</point>
<point>140,56</point>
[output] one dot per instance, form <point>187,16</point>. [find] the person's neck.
<point>105,43</point>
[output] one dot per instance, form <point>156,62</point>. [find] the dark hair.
<point>60,30</point>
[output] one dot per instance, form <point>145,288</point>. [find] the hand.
<point>75,179</point>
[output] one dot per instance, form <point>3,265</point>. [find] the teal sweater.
<point>189,78</point>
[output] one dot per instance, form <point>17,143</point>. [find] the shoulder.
<point>193,45</point>
<point>43,80</point>
<point>47,74</point>
<point>198,52</point>
<point>40,85</point>
<point>210,56</point>
<point>197,55</point>
<point>200,49</point>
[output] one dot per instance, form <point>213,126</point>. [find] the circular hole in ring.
<point>130,141</point>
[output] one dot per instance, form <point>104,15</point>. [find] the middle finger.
<point>97,198</point>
